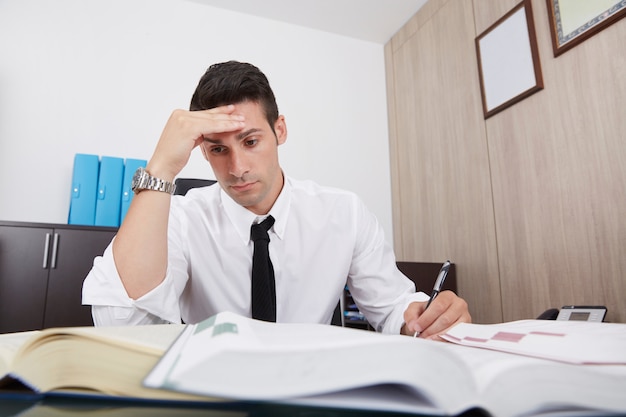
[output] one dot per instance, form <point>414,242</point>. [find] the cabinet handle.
<point>55,247</point>
<point>45,251</point>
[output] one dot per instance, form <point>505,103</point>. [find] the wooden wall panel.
<point>558,164</point>
<point>393,152</point>
<point>441,176</point>
<point>544,179</point>
<point>486,13</point>
<point>428,10</point>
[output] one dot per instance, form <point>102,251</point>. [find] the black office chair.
<point>185,184</point>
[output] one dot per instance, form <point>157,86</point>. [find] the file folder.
<point>127,194</point>
<point>109,196</point>
<point>84,189</point>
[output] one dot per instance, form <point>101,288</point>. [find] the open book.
<point>108,360</point>
<point>238,358</point>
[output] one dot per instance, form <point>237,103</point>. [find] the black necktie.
<point>263,285</point>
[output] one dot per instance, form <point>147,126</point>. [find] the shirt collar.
<point>242,218</point>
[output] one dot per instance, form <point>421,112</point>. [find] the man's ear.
<point>280,127</point>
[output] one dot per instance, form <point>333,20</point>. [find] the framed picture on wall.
<point>574,21</point>
<point>508,60</point>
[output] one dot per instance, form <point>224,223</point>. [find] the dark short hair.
<point>234,82</point>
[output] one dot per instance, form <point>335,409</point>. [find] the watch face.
<point>137,178</point>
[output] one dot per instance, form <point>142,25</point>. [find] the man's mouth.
<point>242,187</point>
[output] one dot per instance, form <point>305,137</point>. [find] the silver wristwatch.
<point>142,180</point>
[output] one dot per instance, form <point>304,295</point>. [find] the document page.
<point>564,341</point>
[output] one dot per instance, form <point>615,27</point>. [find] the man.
<point>191,257</point>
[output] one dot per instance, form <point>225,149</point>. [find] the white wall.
<point>101,77</point>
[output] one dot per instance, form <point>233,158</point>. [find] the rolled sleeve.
<point>395,319</point>
<point>111,305</point>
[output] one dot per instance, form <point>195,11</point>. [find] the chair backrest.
<point>424,275</point>
<point>185,184</point>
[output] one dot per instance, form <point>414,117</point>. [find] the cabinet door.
<point>23,277</point>
<point>75,252</point>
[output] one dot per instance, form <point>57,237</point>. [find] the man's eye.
<point>218,149</point>
<point>251,142</point>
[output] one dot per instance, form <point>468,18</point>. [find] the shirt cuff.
<point>395,321</point>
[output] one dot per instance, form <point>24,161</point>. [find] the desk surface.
<point>25,405</point>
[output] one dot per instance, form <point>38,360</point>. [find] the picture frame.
<point>508,60</point>
<point>574,21</point>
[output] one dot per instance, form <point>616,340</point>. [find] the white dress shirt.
<point>322,239</point>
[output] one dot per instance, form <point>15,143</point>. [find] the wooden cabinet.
<point>42,268</point>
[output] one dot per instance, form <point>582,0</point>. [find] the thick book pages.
<point>243,359</point>
<point>108,203</point>
<point>110,361</point>
<point>130,166</point>
<point>84,189</point>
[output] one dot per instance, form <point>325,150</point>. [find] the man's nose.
<point>238,163</point>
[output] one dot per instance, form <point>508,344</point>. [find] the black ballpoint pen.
<point>441,277</point>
